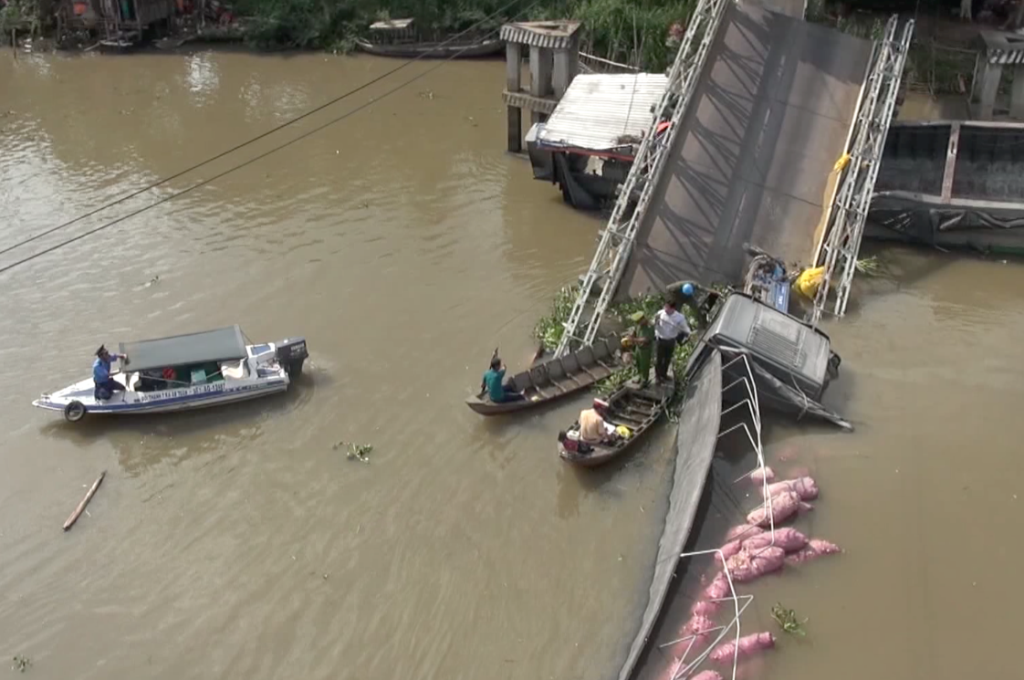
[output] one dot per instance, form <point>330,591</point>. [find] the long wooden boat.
<point>554,379</point>
<point>635,407</point>
<point>433,50</point>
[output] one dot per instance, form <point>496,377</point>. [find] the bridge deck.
<point>753,156</point>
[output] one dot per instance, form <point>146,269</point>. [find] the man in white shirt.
<point>670,327</point>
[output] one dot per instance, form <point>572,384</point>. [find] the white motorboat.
<point>184,372</point>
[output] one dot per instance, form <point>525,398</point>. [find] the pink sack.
<point>704,608</point>
<point>746,566</point>
<point>742,531</point>
<point>758,477</point>
<point>815,548</point>
<point>801,486</point>
<point>790,540</point>
<point>784,506</point>
<point>706,675</point>
<point>718,588</point>
<point>698,626</point>
<point>748,644</point>
<point>728,550</point>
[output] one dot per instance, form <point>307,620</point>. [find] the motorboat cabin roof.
<point>222,344</point>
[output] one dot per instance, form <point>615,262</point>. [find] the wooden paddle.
<point>483,386</point>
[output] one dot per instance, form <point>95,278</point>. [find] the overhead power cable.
<point>253,140</point>
<point>252,160</point>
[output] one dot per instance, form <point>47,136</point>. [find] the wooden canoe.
<point>554,378</point>
<point>433,50</point>
<point>636,408</point>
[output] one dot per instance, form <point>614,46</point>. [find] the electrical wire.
<point>261,156</point>
<point>253,140</point>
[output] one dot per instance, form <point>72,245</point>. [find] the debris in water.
<point>360,452</point>
<point>787,620</point>
<point>21,663</point>
<point>85,501</point>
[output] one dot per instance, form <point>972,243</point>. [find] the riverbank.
<point>618,30</point>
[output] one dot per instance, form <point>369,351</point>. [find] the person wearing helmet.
<point>694,296</point>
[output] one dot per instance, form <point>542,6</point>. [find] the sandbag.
<point>787,538</point>
<point>805,487</point>
<point>704,608</point>
<point>746,566</point>
<point>728,550</point>
<point>698,626</point>
<point>783,506</point>
<point>718,588</point>
<point>706,675</point>
<point>815,548</point>
<point>758,476</point>
<point>741,531</point>
<point>747,645</point>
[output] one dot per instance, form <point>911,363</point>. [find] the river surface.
<point>404,244</point>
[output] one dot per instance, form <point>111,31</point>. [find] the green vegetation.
<point>787,620</point>
<point>632,31</point>
<point>19,15</point>
<point>549,329</point>
<point>360,452</point>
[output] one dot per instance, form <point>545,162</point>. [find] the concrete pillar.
<point>990,77</point>
<point>515,129</point>
<point>513,67</point>
<point>513,83</point>
<point>540,71</point>
<point>1017,93</point>
<point>566,67</point>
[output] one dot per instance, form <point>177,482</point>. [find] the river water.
<point>405,244</point>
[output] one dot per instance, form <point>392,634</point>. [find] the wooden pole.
<point>85,501</point>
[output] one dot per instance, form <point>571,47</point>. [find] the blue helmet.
<point>687,289</point>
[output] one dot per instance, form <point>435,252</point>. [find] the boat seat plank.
<point>555,370</point>
<point>601,350</point>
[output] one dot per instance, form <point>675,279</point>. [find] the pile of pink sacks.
<point>752,550</point>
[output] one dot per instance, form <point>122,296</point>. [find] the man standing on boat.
<point>105,385</point>
<point>670,328</point>
<point>694,296</point>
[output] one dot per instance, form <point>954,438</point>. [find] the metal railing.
<point>617,239</point>
<point>845,228</point>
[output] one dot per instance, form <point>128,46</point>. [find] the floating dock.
<point>954,184</point>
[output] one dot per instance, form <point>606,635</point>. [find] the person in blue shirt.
<point>494,386</point>
<point>105,385</point>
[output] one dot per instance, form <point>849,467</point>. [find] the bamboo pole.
<point>85,501</point>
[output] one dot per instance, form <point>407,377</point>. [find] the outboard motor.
<point>291,353</point>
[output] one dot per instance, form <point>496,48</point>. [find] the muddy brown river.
<point>404,244</point>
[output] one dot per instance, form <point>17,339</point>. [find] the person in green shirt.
<point>696,297</point>
<point>494,386</point>
<point>642,338</point>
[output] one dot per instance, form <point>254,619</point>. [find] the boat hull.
<point>486,48</point>
<point>554,379</point>
<point>636,408</point>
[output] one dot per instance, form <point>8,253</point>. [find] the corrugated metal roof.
<point>598,109</point>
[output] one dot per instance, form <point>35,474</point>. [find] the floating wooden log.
<point>85,501</point>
